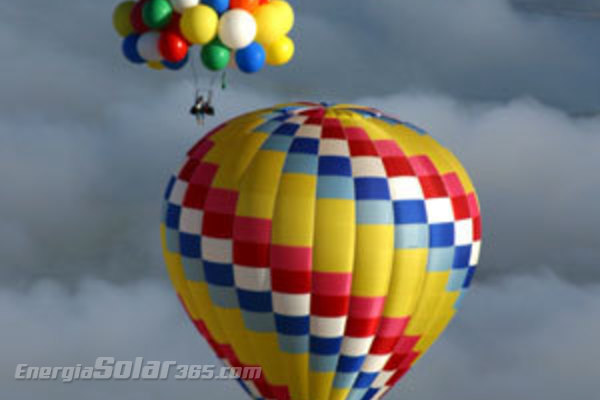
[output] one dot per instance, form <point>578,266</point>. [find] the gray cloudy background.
<point>88,141</point>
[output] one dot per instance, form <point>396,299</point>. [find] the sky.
<point>87,143</point>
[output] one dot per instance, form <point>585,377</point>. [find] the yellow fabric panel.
<point>435,285</point>
<point>232,167</point>
<point>439,320</point>
<point>373,263</point>
<point>233,325</point>
<point>258,187</point>
<point>223,141</point>
<point>199,297</point>
<point>402,132</point>
<point>341,114</point>
<point>429,339</point>
<point>420,319</point>
<point>320,384</point>
<point>339,393</point>
<point>436,282</point>
<point>410,142</point>
<point>408,278</point>
<point>296,365</point>
<point>267,350</point>
<point>294,216</point>
<point>334,236</point>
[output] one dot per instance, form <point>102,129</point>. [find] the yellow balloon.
<point>199,24</point>
<point>273,20</point>
<point>281,51</point>
<point>121,18</point>
<point>156,65</point>
<point>286,14</point>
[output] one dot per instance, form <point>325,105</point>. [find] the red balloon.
<point>172,47</point>
<point>174,24</point>
<point>261,2</point>
<point>137,20</point>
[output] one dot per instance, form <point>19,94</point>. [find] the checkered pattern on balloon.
<point>329,245</point>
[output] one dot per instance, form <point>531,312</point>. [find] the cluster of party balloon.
<point>246,34</point>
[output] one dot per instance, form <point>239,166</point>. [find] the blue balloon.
<point>130,49</point>
<point>175,66</point>
<point>251,59</point>
<point>220,6</point>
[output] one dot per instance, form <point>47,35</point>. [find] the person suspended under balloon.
<point>202,107</point>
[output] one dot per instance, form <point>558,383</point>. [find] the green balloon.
<point>215,55</point>
<point>157,13</point>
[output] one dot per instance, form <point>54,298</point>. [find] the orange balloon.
<point>248,5</point>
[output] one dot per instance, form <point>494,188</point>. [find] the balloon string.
<point>224,80</point>
<point>195,75</point>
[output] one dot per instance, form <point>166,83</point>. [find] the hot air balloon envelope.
<point>329,245</point>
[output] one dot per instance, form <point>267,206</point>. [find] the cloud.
<point>529,337</point>
<point>466,48</point>
<point>580,8</point>
<point>522,338</point>
<point>51,325</point>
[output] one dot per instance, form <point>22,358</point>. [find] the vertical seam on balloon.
<point>310,353</point>
<point>277,201</point>
<point>394,267</point>
<point>313,257</point>
<point>335,112</point>
<point>218,318</point>
<point>390,204</point>
<point>420,289</point>
<point>242,178</point>
<point>340,112</point>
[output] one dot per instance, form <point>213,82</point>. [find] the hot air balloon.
<point>328,244</point>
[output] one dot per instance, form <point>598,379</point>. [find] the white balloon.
<point>147,46</point>
<point>181,5</point>
<point>237,28</point>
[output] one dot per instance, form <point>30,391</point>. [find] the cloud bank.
<point>524,338</point>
